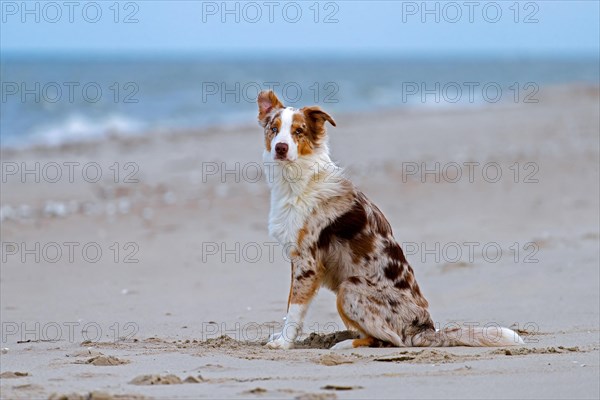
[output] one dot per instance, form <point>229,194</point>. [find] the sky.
<point>277,28</point>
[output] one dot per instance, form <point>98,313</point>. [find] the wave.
<point>77,128</point>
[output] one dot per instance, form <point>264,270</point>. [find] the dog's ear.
<point>317,118</point>
<point>267,102</point>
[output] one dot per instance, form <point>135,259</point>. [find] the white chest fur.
<point>287,216</point>
<point>294,200</point>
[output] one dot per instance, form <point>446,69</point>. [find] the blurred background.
<point>82,71</point>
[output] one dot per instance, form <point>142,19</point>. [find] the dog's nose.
<point>281,149</point>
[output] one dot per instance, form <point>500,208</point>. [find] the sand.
<point>209,285</point>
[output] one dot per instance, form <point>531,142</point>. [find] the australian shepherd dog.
<point>337,238</point>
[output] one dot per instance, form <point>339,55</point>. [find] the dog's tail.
<point>493,336</point>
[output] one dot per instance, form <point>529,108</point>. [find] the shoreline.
<point>219,128</point>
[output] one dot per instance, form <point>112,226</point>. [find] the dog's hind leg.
<point>366,308</point>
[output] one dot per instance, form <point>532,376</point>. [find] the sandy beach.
<point>141,267</point>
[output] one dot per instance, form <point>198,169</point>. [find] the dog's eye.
<point>298,131</point>
<point>274,129</point>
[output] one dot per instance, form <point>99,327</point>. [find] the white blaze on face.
<point>285,135</point>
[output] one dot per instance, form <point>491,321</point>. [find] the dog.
<point>337,238</point>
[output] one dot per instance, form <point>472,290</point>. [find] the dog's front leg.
<point>305,283</point>
<point>277,335</point>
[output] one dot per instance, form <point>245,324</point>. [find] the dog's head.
<point>291,133</point>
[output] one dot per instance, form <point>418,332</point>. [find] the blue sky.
<point>398,28</point>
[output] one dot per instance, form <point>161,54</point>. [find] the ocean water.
<point>56,100</point>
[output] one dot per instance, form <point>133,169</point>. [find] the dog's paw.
<point>280,343</point>
<point>343,345</point>
<point>275,336</point>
